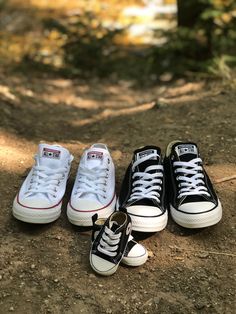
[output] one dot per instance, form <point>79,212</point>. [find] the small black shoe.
<point>192,199</point>
<point>109,245</point>
<point>135,253</point>
<point>142,191</point>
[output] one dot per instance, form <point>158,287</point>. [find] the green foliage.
<point>89,46</point>
<point>194,48</point>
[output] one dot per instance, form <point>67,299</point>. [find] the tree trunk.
<point>189,12</point>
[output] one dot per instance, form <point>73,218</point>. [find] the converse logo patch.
<point>146,153</point>
<point>186,149</point>
<point>95,155</point>
<point>51,153</point>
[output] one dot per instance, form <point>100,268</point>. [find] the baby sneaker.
<point>40,197</point>
<point>109,246</point>
<point>135,253</point>
<point>94,187</point>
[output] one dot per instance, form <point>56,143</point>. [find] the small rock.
<point>200,305</point>
<point>11,309</point>
<point>150,253</point>
<point>142,271</point>
<point>32,266</point>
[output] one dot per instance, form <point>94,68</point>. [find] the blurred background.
<point>126,73</point>
<point>144,40</point>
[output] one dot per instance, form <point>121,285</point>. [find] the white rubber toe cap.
<point>145,211</point>
<point>35,202</point>
<point>86,205</point>
<point>137,250</point>
<point>102,266</point>
<point>196,207</point>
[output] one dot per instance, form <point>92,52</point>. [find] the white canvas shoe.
<point>40,197</point>
<point>94,187</point>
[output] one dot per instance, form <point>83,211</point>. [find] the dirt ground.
<point>45,268</point>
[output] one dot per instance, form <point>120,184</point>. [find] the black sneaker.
<point>135,253</point>
<point>108,247</point>
<point>192,199</point>
<point>142,191</point>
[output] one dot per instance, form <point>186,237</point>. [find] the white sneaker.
<point>40,197</point>
<point>94,187</point>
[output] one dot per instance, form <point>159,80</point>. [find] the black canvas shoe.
<point>135,253</point>
<point>142,191</point>
<point>109,245</point>
<point>192,199</point>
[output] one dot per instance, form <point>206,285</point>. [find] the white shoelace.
<point>45,180</point>
<point>109,242</point>
<point>92,181</point>
<point>191,181</point>
<point>148,184</point>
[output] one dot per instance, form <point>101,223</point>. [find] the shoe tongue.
<point>186,151</point>
<point>94,157</point>
<point>114,226</point>
<point>52,156</point>
<point>145,152</point>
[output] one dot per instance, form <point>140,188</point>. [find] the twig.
<point>225,179</point>
<point>208,252</point>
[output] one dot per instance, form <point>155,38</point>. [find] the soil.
<point>45,268</point>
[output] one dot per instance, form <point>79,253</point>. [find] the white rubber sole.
<point>149,224</point>
<point>36,216</point>
<point>135,261</point>
<point>108,272</point>
<point>84,219</point>
<point>201,220</point>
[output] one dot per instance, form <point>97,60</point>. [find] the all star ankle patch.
<point>51,153</point>
<point>94,155</point>
<point>146,153</point>
<point>186,149</point>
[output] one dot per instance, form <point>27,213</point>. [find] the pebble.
<point>200,305</point>
<point>32,266</point>
<point>11,309</point>
<point>142,271</point>
<point>150,253</point>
